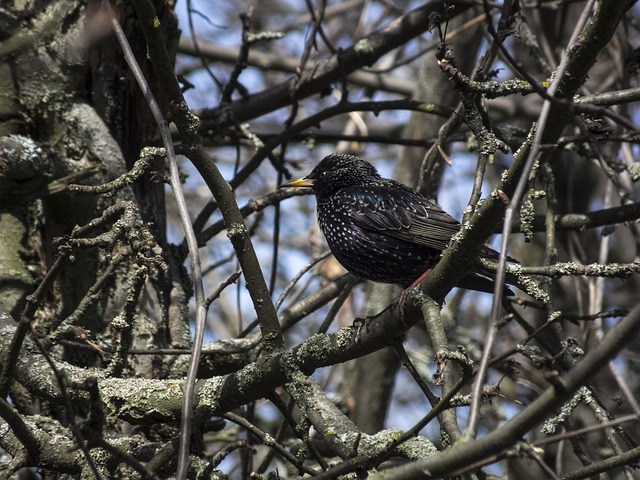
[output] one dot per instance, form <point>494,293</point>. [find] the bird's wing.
<point>399,212</point>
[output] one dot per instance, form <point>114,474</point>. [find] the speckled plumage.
<point>380,229</point>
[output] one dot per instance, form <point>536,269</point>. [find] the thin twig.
<point>314,261</point>
<point>266,439</point>
<point>185,220</point>
<point>474,413</point>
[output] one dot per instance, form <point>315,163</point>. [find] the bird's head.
<point>335,172</point>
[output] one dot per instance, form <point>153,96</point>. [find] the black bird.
<point>380,229</point>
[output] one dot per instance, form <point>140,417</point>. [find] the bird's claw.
<point>400,302</point>
<point>358,325</point>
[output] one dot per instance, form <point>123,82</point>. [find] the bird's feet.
<point>400,303</point>
<point>363,323</point>
<point>358,325</point>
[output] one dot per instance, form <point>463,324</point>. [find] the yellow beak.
<point>301,182</point>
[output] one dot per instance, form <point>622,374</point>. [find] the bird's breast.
<point>370,254</point>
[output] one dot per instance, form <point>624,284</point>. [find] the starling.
<point>380,229</point>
